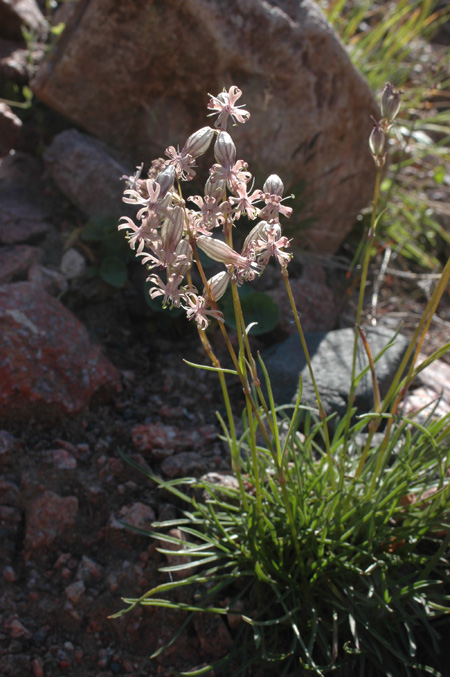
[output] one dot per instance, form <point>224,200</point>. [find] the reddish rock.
<point>75,592</point>
<point>17,629</point>
<point>310,108</point>
<point>163,439</point>
<point>63,460</point>
<point>155,436</point>
<point>49,517</point>
<point>15,261</point>
<point>89,571</point>
<point>10,126</point>
<point>48,366</point>
<point>137,515</point>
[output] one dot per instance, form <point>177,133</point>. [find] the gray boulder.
<point>137,75</point>
<point>331,358</point>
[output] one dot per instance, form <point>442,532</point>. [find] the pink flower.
<point>140,235</point>
<point>270,243</point>
<point>224,104</point>
<point>152,202</point>
<point>212,214</point>
<point>244,201</point>
<point>195,307</point>
<point>233,175</point>
<point>182,162</point>
<point>274,208</point>
<point>170,291</point>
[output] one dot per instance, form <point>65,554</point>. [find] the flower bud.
<point>218,285</point>
<point>225,150</point>
<point>254,234</point>
<point>376,141</point>
<point>166,179</point>
<point>220,251</point>
<point>215,188</point>
<point>172,229</point>
<point>274,185</point>
<point>391,101</point>
<point>183,260</point>
<point>198,143</point>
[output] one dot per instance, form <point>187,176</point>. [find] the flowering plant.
<point>326,553</point>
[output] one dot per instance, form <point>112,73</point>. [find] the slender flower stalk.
<point>322,413</point>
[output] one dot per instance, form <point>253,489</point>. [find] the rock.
<point>431,397</point>
<point>10,126</point>
<point>16,260</point>
<point>9,447</point>
<point>213,634</point>
<point>20,221</point>
<point>89,571</point>
<point>15,14</point>
<point>75,591</point>
<point>303,93</point>
<point>182,464</point>
<point>8,493</point>
<point>14,64</point>
<point>315,301</point>
<point>73,264</point>
<point>84,170</point>
<point>48,366</point>
<point>162,440</point>
<point>155,436</point>
<point>331,357</point>
<point>120,526</point>
<point>47,518</point>
<point>24,209</point>
<point>51,281</point>
<point>17,629</point>
<point>62,459</point>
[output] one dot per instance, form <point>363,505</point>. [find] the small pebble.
<point>9,574</point>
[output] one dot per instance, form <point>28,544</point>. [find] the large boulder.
<point>137,75</point>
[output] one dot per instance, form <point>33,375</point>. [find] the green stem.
<point>322,413</point>
<point>362,288</point>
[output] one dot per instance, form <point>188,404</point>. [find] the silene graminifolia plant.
<point>330,551</point>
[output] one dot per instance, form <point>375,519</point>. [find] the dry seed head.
<point>391,101</point>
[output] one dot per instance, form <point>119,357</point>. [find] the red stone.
<point>48,365</point>
<point>48,517</point>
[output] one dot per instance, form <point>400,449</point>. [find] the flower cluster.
<point>169,233</point>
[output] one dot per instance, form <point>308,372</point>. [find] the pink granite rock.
<point>47,518</point>
<point>48,365</point>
